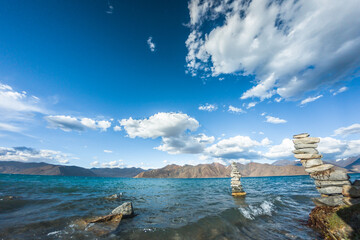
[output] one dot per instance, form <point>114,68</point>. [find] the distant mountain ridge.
<point>12,167</point>
<point>217,170</point>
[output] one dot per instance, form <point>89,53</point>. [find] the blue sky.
<point>115,83</point>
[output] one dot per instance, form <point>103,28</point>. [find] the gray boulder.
<point>320,168</point>
<point>126,209</point>
<point>330,190</point>
<point>311,162</point>
<point>320,183</point>
<point>335,175</point>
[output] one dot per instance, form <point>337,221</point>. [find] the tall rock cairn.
<point>236,187</point>
<point>328,180</point>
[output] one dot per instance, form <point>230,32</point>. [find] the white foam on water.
<point>54,233</point>
<point>252,211</point>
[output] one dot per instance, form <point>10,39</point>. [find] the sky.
<point>109,83</point>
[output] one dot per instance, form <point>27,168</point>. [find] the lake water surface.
<point>48,206</point>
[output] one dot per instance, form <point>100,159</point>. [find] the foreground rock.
<point>341,222</point>
<point>104,225</point>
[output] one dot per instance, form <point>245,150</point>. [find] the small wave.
<point>55,233</point>
<point>265,208</point>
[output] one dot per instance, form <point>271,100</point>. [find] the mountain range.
<point>214,170</point>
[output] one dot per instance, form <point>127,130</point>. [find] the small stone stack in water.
<point>329,182</point>
<point>236,187</point>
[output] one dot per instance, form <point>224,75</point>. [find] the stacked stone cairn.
<point>236,187</point>
<point>333,184</point>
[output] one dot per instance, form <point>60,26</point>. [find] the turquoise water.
<point>48,206</point>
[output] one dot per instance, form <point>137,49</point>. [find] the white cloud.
<point>233,109</point>
<point>251,105</point>
<point>283,150</point>
<point>310,99</point>
<point>9,127</point>
<point>160,125</point>
<point>151,44</point>
<point>190,144</point>
<point>94,163</point>
<point>291,47</point>
<point>343,89</point>
<point>107,151</point>
<point>113,164</point>
<point>275,120</point>
<point>279,99</point>
<point>334,149</point>
<point>68,123</point>
<point>352,129</point>
<point>208,107</point>
<point>173,128</point>
<point>25,154</point>
<point>117,128</point>
<point>238,147</point>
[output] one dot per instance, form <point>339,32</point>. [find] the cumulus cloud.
<point>251,105</point>
<point>343,89</point>
<point>291,47</point>
<point>208,107</point>
<point>283,150</point>
<point>233,109</point>
<point>275,120</point>
<point>68,123</point>
<point>151,44</point>
<point>310,99</point>
<point>160,125</point>
<point>107,151</point>
<point>94,163</point>
<point>352,129</point>
<point>26,154</point>
<point>174,129</point>
<point>117,128</point>
<point>113,164</point>
<point>235,148</point>
<point>334,149</point>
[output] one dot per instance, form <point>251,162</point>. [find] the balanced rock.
<point>126,209</point>
<point>306,151</point>
<point>307,156</point>
<point>329,201</point>
<point>307,140</point>
<point>351,201</point>
<point>236,188</point>
<point>303,146</point>
<point>301,135</point>
<point>351,191</point>
<point>330,190</point>
<point>311,162</point>
<point>335,175</point>
<point>320,168</point>
<point>319,183</point>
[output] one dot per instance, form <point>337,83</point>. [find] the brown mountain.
<point>216,170</point>
<point>12,167</point>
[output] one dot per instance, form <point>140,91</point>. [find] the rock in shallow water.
<point>126,209</point>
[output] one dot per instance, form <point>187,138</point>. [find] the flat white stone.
<point>311,162</point>
<point>307,156</point>
<point>302,145</point>
<point>308,140</point>
<point>320,168</point>
<point>301,135</point>
<point>330,190</point>
<point>319,183</point>
<point>306,151</point>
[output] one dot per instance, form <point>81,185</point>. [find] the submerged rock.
<point>114,196</point>
<point>342,222</point>
<point>99,226</point>
<point>126,209</point>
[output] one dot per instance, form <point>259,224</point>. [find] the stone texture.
<point>319,183</point>
<point>126,209</point>
<point>335,175</point>
<point>301,135</point>
<point>302,146</point>
<point>311,162</point>
<point>308,140</point>
<point>306,151</point>
<point>330,190</point>
<point>307,156</point>
<point>236,187</point>
<point>329,201</point>
<point>320,168</point>
<point>351,191</point>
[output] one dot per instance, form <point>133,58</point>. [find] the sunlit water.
<point>274,208</point>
